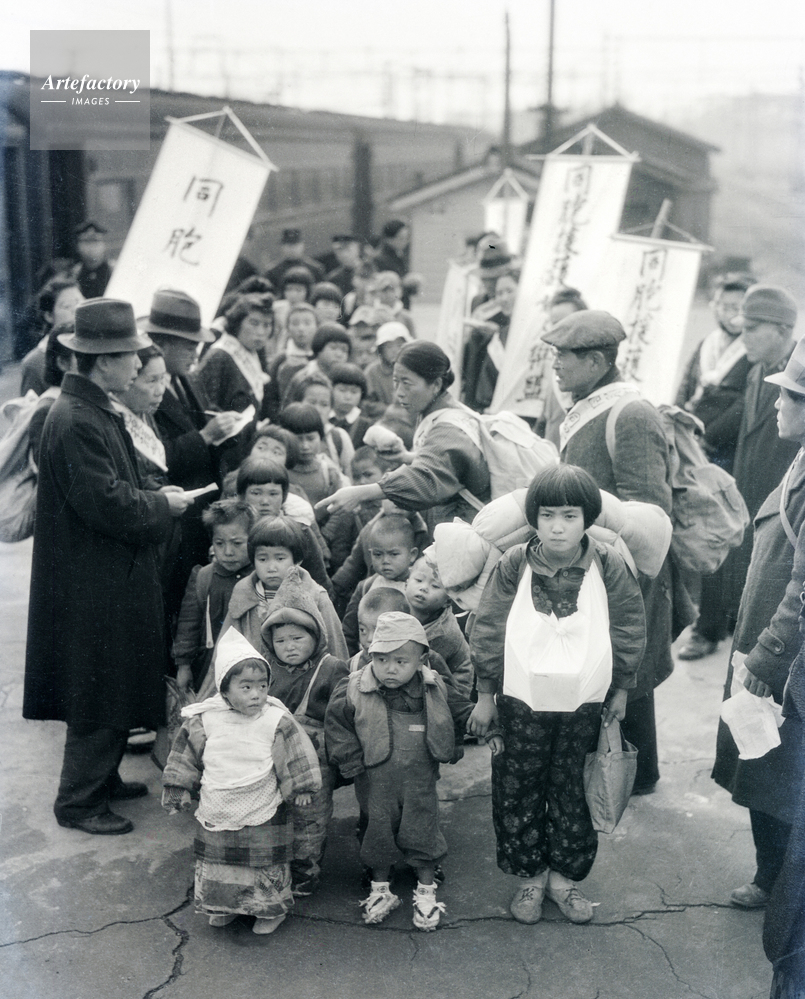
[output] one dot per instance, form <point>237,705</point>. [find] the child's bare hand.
<point>303,800</point>
<point>495,743</point>
<point>174,803</point>
<point>615,708</point>
<point>483,714</point>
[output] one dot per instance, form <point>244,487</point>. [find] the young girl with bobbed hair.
<point>561,580</point>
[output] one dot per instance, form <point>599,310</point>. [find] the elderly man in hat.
<point>766,630</point>
<point>93,271</point>
<point>586,349</point>
<point>96,650</point>
<point>191,437</point>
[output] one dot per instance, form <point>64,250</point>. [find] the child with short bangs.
<point>249,760</point>
<point>393,551</point>
<point>303,677</point>
<point>275,548</point>
<point>389,726</point>
<point>343,528</point>
<point>349,391</point>
<point>206,598</point>
<point>264,484</point>
<point>542,823</point>
<point>314,472</point>
<point>317,391</point>
<point>430,605</point>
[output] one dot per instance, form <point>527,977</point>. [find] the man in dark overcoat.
<point>586,346</point>
<point>189,434</point>
<point>767,634</point>
<point>761,455</point>
<point>96,650</point>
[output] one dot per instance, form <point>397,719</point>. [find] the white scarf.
<point>715,360</point>
<point>143,436</point>
<point>591,406</point>
<point>247,362</point>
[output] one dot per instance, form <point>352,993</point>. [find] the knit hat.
<point>395,629</point>
<point>770,304</point>
<point>294,603</point>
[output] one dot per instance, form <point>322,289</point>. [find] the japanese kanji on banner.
<point>460,285</point>
<point>194,215</point>
<point>649,285</point>
<point>579,206</point>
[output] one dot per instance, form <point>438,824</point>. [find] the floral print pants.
<point>539,810</point>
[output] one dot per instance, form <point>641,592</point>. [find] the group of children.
<point>295,696</point>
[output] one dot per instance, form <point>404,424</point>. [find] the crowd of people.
<point>250,509</point>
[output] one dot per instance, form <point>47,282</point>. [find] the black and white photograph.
<point>402,500</point>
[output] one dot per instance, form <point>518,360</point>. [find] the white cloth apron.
<point>558,664</point>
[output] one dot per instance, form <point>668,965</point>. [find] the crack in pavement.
<point>106,926</point>
<point>668,961</point>
<point>528,983</point>
<point>178,950</point>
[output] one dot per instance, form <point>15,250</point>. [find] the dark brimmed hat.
<point>586,330</point>
<point>792,377</point>
<point>769,304</point>
<point>174,313</point>
<point>105,326</point>
<point>495,261</point>
<point>290,236</point>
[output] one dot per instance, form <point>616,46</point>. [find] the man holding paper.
<point>766,642</point>
<point>190,435</point>
<point>96,652</point>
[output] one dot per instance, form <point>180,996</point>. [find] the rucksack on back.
<point>18,472</point>
<point>708,512</point>
<point>513,452</point>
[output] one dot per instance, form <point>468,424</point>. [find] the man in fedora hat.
<point>586,349</point>
<point>292,254</point>
<point>767,639</point>
<point>191,437</point>
<point>96,652</point>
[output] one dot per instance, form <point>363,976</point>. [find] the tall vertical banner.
<point>460,286</point>
<point>649,284</point>
<point>579,206</point>
<point>191,223</point>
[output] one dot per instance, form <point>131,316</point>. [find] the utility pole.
<point>169,39</point>
<point>507,138</point>
<point>550,110</point>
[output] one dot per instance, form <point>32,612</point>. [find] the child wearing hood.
<point>275,549</point>
<point>303,677</point>
<point>249,759</point>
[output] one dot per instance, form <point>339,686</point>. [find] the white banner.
<point>506,216</point>
<point>579,206</point>
<point>649,285</point>
<point>192,220</point>
<point>460,286</point>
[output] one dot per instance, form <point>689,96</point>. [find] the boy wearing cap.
<point>389,726</point>
<point>391,338</point>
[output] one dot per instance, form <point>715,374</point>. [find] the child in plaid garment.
<point>249,757</point>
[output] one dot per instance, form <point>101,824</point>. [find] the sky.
<point>443,59</point>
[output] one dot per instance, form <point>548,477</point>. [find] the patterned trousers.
<point>539,810</point>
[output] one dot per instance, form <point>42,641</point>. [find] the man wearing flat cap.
<point>586,349</point>
<point>96,652</point>
<point>767,639</point>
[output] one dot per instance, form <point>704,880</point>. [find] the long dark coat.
<point>96,651</point>
<point>767,632</point>
<point>761,460</point>
<point>639,471</point>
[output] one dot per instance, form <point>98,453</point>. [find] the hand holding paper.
<point>226,425</point>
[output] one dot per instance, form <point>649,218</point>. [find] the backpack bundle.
<point>512,451</point>
<point>709,514</point>
<point>18,472</point>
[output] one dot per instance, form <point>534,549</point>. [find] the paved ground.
<point>87,917</point>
